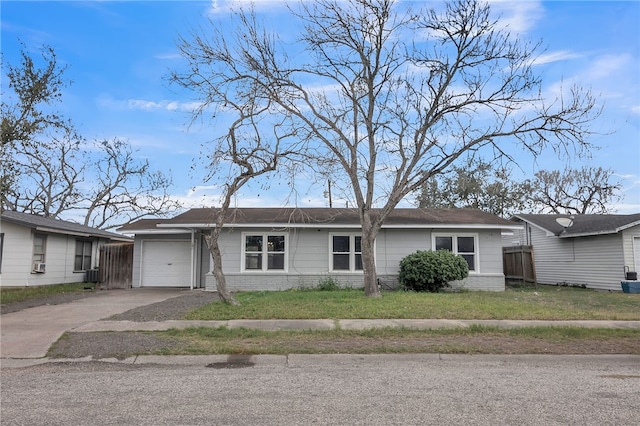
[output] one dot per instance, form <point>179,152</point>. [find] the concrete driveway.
<point>29,333</point>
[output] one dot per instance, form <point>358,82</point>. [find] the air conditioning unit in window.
<point>39,267</point>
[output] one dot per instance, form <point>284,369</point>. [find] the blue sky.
<point>119,53</point>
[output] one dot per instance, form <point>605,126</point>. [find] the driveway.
<point>29,333</point>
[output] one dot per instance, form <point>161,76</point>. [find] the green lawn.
<point>9,295</point>
<point>541,303</point>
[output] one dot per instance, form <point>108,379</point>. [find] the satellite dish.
<point>565,222</point>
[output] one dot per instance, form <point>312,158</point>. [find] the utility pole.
<point>328,193</point>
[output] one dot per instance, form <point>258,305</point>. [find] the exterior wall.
<point>631,253</point>
<point>17,258</point>
<point>595,261</point>
<point>308,260</point>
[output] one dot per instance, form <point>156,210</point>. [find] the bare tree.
<point>46,177</point>
<point>124,188</point>
<point>387,98</point>
<point>589,190</point>
<point>248,157</point>
<point>241,155</point>
<point>106,186</point>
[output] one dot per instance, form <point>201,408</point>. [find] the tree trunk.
<point>369,233</point>
<point>221,282</point>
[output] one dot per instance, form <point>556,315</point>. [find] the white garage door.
<point>166,264</point>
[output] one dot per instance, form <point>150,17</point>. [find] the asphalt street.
<point>327,390</point>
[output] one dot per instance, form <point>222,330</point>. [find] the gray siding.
<point>596,261</point>
<point>308,259</point>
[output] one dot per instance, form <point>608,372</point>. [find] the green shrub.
<point>431,270</point>
<point>328,284</point>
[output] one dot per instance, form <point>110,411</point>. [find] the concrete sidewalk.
<point>30,332</point>
<point>344,324</point>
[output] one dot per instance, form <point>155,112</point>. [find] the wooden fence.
<point>519,266</point>
<point>116,265</point>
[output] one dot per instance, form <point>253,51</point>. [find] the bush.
<point>328,284</point>
<point>431,270</point>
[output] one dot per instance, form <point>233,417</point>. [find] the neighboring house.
<point>37,250</point>
<point>281,248</point>
<point>594,251</point>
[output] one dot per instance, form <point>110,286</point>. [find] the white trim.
<point>454,240</point>
<point>156,232</point>
<point>352,253</point>
<point>265,252</point>
<point>192,273</point>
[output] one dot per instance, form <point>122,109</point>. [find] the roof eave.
<point>334,225</point>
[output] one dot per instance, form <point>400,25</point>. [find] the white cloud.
<point>517,16</point>
<point>168,56</point>
<point>145,105</point>
<point>108,102</point>
<point>219,7</point>
<point>606,65</point>
<point>561,55</point>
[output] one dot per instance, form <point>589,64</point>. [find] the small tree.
<point>36,89</point>
<point>431,270</point>
<point>476,184</point>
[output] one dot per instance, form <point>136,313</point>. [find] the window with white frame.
<point>264,252</point>
<point>466,245</point>
<point>39,249</point>
<point>82,260</point>
<point>346,252</point>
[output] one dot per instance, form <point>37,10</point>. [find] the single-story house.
<point>282,248</point>
<point>36,250</point>
<point>589,250</point>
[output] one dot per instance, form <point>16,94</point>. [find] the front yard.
<point>541,303</point>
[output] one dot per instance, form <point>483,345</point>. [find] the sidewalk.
<point>344,324</point>
<point>28,334</point>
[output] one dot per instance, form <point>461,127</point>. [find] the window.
<point>39,249</point>
<point>463,244</point>
<point>259,256</point>
<point>83,256</point>
<point>346,252</point>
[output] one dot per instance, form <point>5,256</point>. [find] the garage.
<point>166,263</point>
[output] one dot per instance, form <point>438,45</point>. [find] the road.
<point>328,390</point>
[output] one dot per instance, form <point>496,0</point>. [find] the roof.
<point>322,218</point>
<point>47,224</point>
<point>583,224</point>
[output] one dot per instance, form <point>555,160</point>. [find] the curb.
<point>344,324</point>
<point>308,360</point>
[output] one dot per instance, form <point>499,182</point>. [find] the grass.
<point>476,339</point>
<point>541,303</point>
<point>10,295</point>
